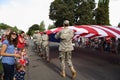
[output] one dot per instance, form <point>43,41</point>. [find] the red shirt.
<point>20,44</point>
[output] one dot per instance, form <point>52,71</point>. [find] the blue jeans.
<point>8,71</point>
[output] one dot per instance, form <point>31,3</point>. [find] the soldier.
<point>38,42</point>
<point>65,48</point>
<point>35,39</point>
<point>45,46</point>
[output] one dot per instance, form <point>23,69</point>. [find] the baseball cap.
<point>66,22</point>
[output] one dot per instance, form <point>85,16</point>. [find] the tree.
<point>119,24</point>
<point>102,13</point>
<point>42,26</point>
<point>35,27</point>
<point>84,10</point>
<point>51,27</point>
<point>61,10</point>
<point>15,28</point>
<point>76,11</point>
<point>32,29</point>
<point>4,26</point>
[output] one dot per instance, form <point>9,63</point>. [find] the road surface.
<point>89,64</point>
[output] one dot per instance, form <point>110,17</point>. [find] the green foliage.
<point>5,26</point>
<point>102,13</point>
<point>76,11</point>
<point>61,10</point>
<point>42,26</point>
<point>35,27</point>
<point>119,24</point>
<point>15,29</point>
<point>51,27</point>
<point>1,68</point>
<point>84,12</point>
<point>79,12</point>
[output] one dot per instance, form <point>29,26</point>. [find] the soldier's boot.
<point>44,57</point>
<point>40,54</point>
<point>47,58</point>
<point>62,73</point>
<point>74,74</point>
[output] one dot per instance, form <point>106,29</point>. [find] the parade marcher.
<point>65,48</point>
<point>45,46</point>
<point>35,39</point>
<point>38,42</point>
<point>8,53</point>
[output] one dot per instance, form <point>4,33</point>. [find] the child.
<point>24,57</point>
<point>21,64</point>
<point>20,73</point>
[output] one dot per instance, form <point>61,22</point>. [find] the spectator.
<point>0,42</point>
<point>3,37</point>
<point>21,41</point>
<point>19,75</point>
<point>24,57</point>
<point>118,46</point>
<point>8,59</point>
<point>0,47</point>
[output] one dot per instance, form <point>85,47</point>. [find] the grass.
<point>1,69</point>
<point>1,66</point>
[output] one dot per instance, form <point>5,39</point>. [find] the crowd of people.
<point>14,55</point>
<point>106,44</point>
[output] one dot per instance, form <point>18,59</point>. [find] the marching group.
<point>41,42</point>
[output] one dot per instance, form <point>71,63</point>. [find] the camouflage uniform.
<point>65,46</point>
<point>45,46</point>
<point>39,40</point>
<point>35,39</point>
<point>65,49</point>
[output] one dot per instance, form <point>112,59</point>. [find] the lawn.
<point>0,66</point>
<point>1,69</point>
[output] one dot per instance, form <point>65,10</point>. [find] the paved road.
<point>90,65</point>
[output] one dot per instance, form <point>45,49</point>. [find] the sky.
<point>25,13</point>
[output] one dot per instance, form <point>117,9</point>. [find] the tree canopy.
<point>5,26</point>
<point>102,13</point>
<point>79,12</point>
<point>35,27</point>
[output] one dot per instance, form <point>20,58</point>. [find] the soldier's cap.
<point>37,31</point>
<point>66,22</point>
<point>44,32</point>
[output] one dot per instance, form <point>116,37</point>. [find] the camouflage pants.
<point>65,57</point>
<point>45,51</point>
<point>35,45</point>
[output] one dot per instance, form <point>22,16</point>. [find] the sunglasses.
<point>14,33</point>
